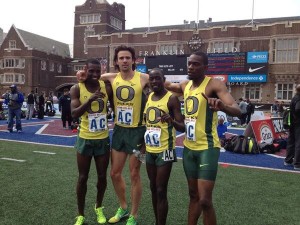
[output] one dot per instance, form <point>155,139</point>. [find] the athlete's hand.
<point>165,117</point>
<point>81,76</point>
<point>215,104</point>
<point>96,95</point>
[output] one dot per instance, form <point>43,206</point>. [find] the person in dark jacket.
<point>65,109</point>
<point>293,144</point>
<point>30,105</point>
<point>14,101</point>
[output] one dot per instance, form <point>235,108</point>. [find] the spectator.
<point>65,108</point>
<point>41,106</point>
<point>250,110</point>
<point>14,100</point>
<point>274,108</point>
<point>280,109</point>
<point>293,145</point>
<point>243,108</point>
<point>30,105</point>
<point>221,129</point>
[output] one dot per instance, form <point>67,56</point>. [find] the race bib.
<point>97,122</point>
<point>168,155</point>
<point>152,137</point>
<point>125,115</point>
<point>190,127</point>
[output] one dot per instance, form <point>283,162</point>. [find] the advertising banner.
<point>263,131</point>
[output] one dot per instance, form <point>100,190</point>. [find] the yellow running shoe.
<point>100,216</point>
<point>79,220</point>
<point>120,214</point>
<point>131,220</point>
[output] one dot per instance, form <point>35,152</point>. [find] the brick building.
<point>34,63</point>
<point>279,37</point>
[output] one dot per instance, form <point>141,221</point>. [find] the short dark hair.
<point>158,71</point>
<point>203,55</point>
<point>124,48</point>
<point>66,89</point>
<point>92,61</point>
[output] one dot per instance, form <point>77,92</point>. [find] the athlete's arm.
<point>108,77</point>
<point>224,102</point>
<point>78,109</point>
<point>109,92</point>
<point>175,107</point>
<point>176,88</point>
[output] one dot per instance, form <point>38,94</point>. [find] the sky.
<point>55,18</point>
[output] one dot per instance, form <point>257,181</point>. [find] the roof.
<point>209,24</point>
<point>44,44</point>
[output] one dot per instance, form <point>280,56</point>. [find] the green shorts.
<point>160,159</point>
<point>92,147</point>
<point>126,139</point>
<point>201,164</point>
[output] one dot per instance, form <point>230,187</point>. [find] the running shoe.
<point>101,219</point>
<point>120,214</point>
<point>79,220</point>
<point>131,220</point>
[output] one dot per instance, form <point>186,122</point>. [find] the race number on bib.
<point>97,122</point>
<point>190,126</point>
<point>168,155</point>
<point>125,115</point>
<point>152,137</point>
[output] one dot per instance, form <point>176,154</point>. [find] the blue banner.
<point>253,78</point>
<point>141,68</point>
<point>257,57</point>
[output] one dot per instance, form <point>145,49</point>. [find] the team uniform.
<point>129,101</point>
<point>93,138</point>
<point>159,137</point>
<point>201,144</point>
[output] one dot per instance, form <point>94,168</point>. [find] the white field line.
<point>15,160</point>
<point>47,153</point>
<point>276,156</point>
<point>42,129</point>
<point>35,143</point>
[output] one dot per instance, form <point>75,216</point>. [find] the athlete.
<point>128,135</point>
<point>162,114</point>
<point>88,102</point>
<point>203,96</point>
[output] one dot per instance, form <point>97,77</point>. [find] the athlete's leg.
<point>205,189</point>
<point>194,210</point>
<point>162,179</point>
<point>118,160</point>
<point>101,167</point>
<point>136,186</point>
<point>83,163</point>
<point>152,173</point>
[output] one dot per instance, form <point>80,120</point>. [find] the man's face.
<point>93,71</point>
<point>196,67</point>
<point>156,81</point>
<point>125,61</point>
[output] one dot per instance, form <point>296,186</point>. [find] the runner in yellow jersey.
<point>162,114</point>
<point>89,103</point>
<point>128,134</point>
<point>203,96</point>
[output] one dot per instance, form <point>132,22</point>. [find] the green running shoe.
<point>131,220</point>
<point>101,219</point>
<point>120,214</point>
<point>79,220</point>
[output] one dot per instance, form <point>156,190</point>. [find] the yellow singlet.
<point>200,121</point>
<point>159,136</point>
<point>93,123</point>
<point>129,101</point>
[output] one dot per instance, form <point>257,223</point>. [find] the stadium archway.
<point>60,89</point>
